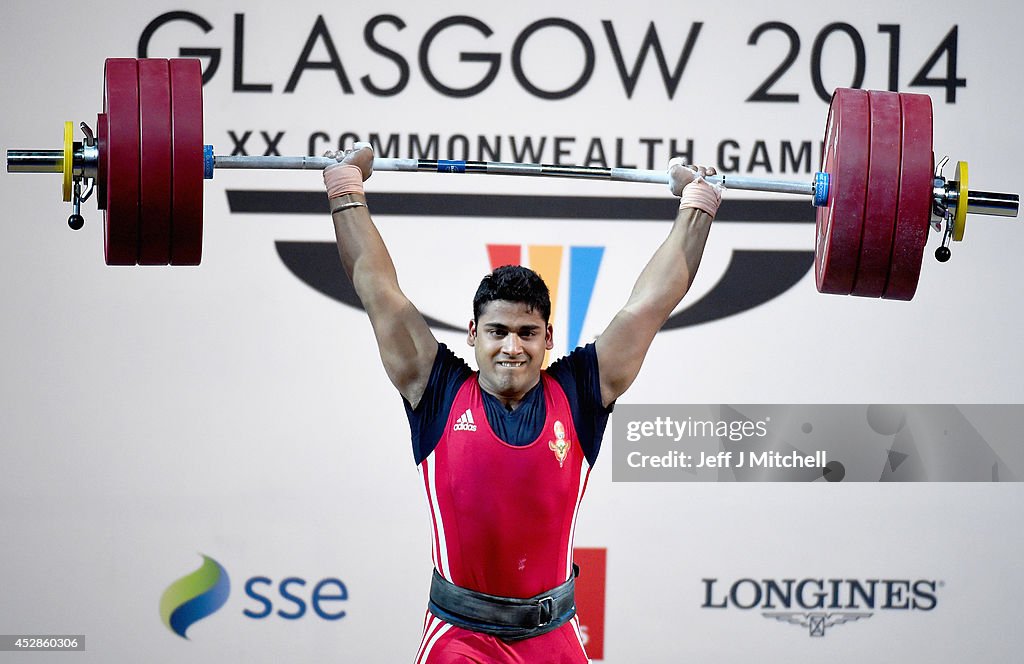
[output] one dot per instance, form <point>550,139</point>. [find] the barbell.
<point>877,193</point>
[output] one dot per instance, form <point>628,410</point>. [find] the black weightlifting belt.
<point>509,618</point>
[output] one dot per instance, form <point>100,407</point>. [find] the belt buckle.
<point>546,606</point>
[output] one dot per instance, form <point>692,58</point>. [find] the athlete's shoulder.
<point>448,367</point>
<point>579,364</point>
<point>428,419</point>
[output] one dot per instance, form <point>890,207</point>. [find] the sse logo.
<point>194,597</point>
<point>203,592</point>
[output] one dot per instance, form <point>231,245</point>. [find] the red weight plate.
<point>882,195</point>
<point>187,149</point>
<point>155,154</point>
<point>840,222</point>
<point>121,106</point>
<point>915,201</point>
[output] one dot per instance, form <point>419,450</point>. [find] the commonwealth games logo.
<point>195,596</point>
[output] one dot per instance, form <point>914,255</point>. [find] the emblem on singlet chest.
<point>560,446</point>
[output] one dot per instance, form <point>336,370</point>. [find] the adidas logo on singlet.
<point>465,422</point>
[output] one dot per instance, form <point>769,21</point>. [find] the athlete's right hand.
<point>360,155</point>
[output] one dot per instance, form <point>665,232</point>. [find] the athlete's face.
<point>509,341</point>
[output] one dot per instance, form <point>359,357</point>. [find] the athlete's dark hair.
<point>513,283</point>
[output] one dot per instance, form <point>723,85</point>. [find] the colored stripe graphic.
<point>546,260</point>
<point>195,596</point>
<point>504,254</point>
<point>584,262</point>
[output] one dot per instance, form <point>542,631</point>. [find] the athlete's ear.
<point>471,339</point>
<point>549,337</point>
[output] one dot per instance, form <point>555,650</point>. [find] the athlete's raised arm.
<point>406,344</point>
<point>621,348</point>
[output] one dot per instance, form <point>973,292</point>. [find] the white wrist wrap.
<point>343,179</point>
<point>701,195</point>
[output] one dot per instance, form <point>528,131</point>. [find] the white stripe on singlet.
<point>441,552</point>
<point>579,636</point>
<point>584,472</point>
<point>439,629</point>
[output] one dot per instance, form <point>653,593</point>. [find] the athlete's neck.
<point>509,402</point>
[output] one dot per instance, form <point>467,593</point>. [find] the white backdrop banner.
<point>215,452</point>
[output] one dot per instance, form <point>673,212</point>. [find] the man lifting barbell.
<point>504,453</point>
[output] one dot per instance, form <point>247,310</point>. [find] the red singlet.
<point>503,519</point>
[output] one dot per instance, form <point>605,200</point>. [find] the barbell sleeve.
<point>992,203</point>
<point>35,161</point>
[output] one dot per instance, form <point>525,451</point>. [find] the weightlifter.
<point>504,452</point>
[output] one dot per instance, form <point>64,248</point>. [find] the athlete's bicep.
<point>406,344</point>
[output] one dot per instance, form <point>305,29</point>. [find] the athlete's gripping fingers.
<point>360,155</point>
<point>705,172</point>
<point>680,174</point>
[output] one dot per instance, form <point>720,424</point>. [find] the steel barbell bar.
<point>877,191</point>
